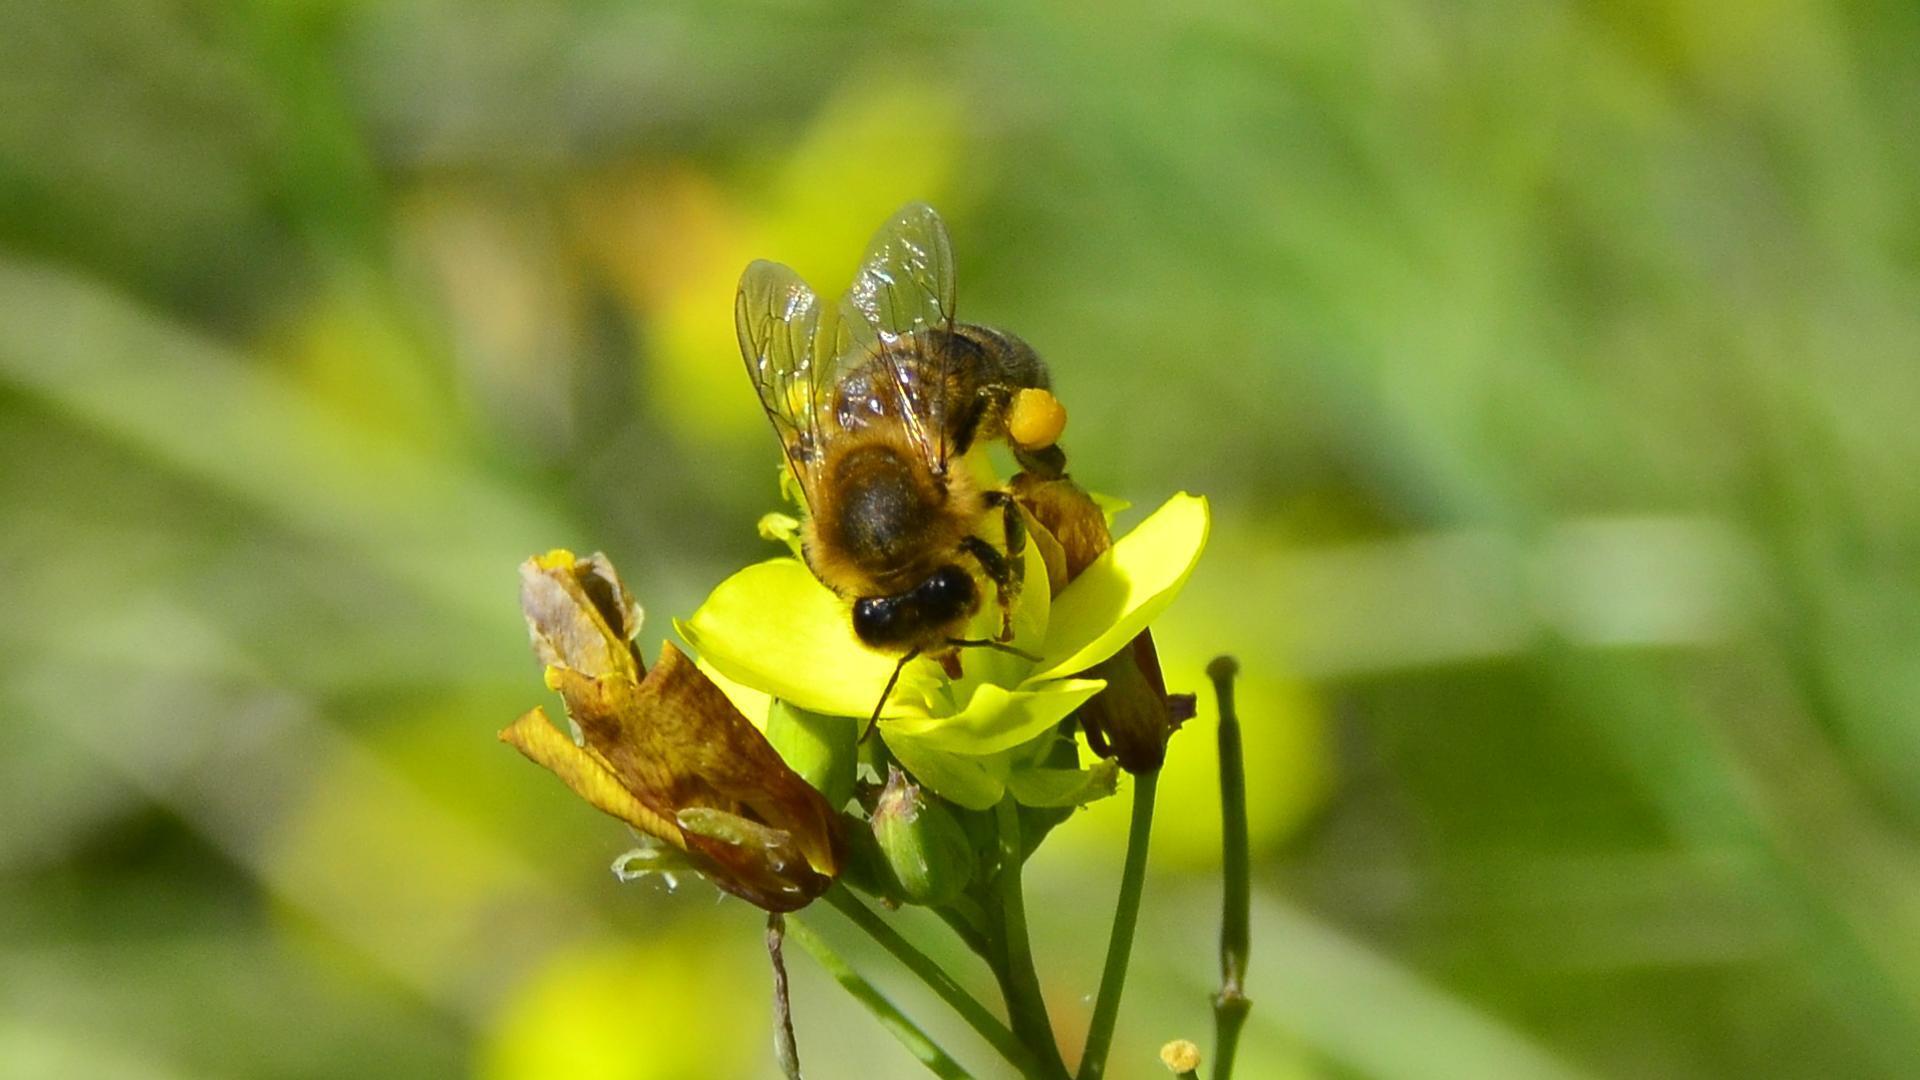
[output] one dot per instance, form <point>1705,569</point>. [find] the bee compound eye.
<point>873,618</point>
<point>950,586</point>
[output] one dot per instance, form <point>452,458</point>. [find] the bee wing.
<point>898,316</point>
<point>780,325</point>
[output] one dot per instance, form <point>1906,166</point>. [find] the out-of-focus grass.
<point>1548,365</point>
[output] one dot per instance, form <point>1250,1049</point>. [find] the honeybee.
<point>873,402</point>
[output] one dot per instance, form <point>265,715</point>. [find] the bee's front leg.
<point>1008,570</point>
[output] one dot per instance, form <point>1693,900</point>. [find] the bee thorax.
<point>884,511</point>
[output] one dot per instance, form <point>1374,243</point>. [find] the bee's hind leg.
<point>1046,462</point>
<point>1008,570</point>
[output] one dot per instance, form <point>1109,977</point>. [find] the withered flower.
<point>1068,514</point>
<point>1133,717</point>
<point>664,749</point>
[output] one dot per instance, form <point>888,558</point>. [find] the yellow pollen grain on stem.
<point>1035,419</point>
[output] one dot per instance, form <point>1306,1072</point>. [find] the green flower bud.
<point>927,849</point>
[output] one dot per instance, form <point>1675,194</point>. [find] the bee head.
<point>922,616</point>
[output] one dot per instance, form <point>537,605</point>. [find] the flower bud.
<point>1131,718</point>
<point>926,848</point>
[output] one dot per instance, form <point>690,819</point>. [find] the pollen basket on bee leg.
<point>1035,419</point>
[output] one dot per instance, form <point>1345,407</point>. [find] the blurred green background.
<point>1550,366</point>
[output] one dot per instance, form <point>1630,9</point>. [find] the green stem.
<point>936,978</point>
<point>1230,1005</point>
<point>924,1049</point>
<point>1019,982</point>
<point>1126,915</point>
<point>965,919</point>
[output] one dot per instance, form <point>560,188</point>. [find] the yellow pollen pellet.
<point>1035,419</point>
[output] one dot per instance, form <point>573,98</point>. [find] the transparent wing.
<point>896,324</point>
<point>779,319</point>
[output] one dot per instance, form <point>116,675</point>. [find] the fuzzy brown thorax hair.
<point>882,521</point>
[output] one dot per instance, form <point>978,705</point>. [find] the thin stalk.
<point>1019,982</point>
<point>936,978</point>
<point>1230,1005</point>
<point>923,1048</point>
<point>1126,915</point>
<point>964,918</point>
<point>785,1049</point>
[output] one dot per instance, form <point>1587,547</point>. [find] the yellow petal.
<point>997,719</point>
<point>1124,589</point>
<point>970,780</point>
<point>775,628</point>
<point>753,704</point>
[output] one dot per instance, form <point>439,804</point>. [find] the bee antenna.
<point>874,720</point>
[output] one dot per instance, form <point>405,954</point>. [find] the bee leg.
<point>1007,570</point>
<point>996,646</point>
<point>1047,462</point>
<point>1000,569</point>
<point>874,720</point>
<point>950,663</point>
<point>1013,529</point>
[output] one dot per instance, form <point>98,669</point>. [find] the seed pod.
<point>927,849</point>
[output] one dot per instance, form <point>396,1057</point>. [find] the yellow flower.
<point>775,629</point>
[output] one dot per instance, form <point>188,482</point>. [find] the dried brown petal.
<point>666,751</point>
<point>1065,511</point>
<point>579,615</point>
<point>677,743</point>
<point>582,770</point>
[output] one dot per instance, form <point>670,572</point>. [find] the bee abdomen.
<point>1005,359</point>
<point>991,367</point>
